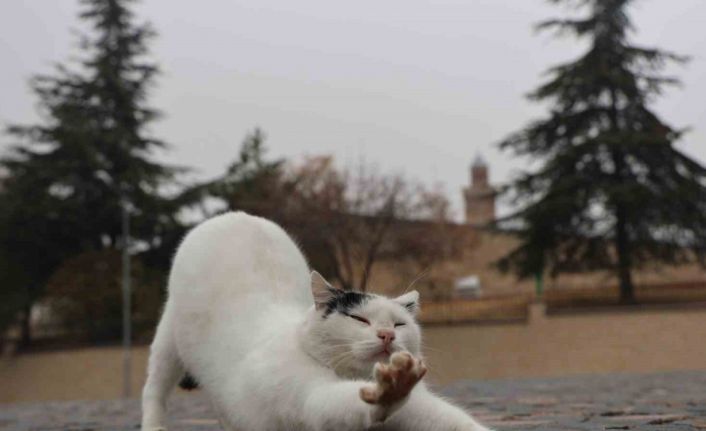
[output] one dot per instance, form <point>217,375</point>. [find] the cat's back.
<point>237,259</point>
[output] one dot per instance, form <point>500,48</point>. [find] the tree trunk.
<point>622,240</point>
<point>25,326</point>
<point>627,291</point>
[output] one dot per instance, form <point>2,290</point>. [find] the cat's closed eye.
<point>397,325</point>
<point>360,319</point>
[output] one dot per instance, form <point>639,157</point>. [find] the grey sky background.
<point>415,86</point>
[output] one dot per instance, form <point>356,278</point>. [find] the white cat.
<point>278,348</point>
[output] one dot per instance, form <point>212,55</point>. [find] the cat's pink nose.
<point>386,335</point>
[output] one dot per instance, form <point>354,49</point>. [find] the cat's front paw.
<point>394,381</point>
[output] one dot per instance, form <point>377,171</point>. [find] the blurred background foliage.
<point>85,297</point>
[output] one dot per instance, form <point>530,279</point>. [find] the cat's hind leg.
<point>164,370</point>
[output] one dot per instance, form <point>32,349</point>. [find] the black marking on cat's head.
<point>343,301</point>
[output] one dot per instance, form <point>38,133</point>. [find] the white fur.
<point>241,319</point>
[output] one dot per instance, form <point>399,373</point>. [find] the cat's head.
<point>351,331</point>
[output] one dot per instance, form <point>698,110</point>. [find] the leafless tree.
<point>350,219</point>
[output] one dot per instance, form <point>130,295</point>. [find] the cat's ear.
<point>321,290</point>
<point>410,301</point>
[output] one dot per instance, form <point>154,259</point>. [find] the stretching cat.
<point>241,319</point>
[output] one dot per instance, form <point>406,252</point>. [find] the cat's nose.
<point>386,335</point>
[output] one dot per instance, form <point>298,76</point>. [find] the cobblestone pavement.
<point>655,402</point>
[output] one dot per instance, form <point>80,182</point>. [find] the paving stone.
<point>655,402</point>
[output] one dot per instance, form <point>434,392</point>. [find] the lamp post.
<point>127,306</point>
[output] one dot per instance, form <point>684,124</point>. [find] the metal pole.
<point>127,314</point>
<point>538,284</point>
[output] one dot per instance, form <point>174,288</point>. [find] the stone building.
<point>479,196</point>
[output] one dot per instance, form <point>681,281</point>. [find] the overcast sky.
<point>416,86</point>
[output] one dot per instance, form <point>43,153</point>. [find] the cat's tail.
<point>188,382</point>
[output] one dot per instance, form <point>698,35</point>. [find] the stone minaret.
<point>480,196</point>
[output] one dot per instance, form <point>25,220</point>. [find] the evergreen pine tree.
<point>251,182</point>
<point>67,177</point>
<point>611,190</point>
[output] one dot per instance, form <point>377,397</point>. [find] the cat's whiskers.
<point>419,277</point>
<point>347,346</point>
<point>349,359</point>
<point>432,349</point>
<point>339,360</point>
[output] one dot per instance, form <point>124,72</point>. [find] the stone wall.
<point>628,340</point>
<point>480,249</point>
<point>614,340</point>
